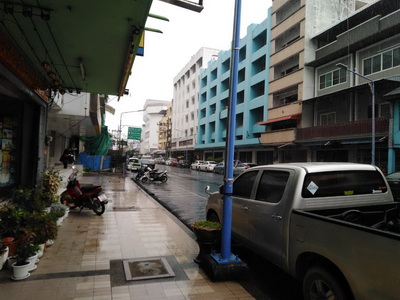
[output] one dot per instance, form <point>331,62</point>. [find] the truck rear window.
<point>343,183</point>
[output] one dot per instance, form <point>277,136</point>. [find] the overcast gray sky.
<point>166,54</point>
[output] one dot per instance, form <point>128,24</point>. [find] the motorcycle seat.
<point>87,189</point>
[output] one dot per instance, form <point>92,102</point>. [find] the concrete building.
<point>153,112</point>
<point>164,129</point>
<point>70,117</point>
<point>252,91</point>
<point>185,103</point>
<point>337,120</point>
<point>294,23</point>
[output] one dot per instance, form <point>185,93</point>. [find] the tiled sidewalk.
<point>84,262</point>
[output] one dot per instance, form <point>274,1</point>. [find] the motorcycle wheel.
<point>98,207</point>
<point>144,180</point>
<point>66,198</point>
<point>164,179</point>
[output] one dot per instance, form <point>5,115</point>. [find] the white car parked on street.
<point>207,166</point>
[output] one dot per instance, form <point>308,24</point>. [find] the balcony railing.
<point>354,129</point>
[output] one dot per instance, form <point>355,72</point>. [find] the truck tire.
<point>213,217</point>
<point>321,284</point>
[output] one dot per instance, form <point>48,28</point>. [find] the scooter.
<point>90,197</point>
<point>154,175</point>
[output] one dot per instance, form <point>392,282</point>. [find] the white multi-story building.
<point>153,111</point>
<point>185,103</point>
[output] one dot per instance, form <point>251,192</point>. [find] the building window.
<point>193,99</point>
<point>187,118</point>
<point>187,103</point>
<point>382,61</point>
<point>332,78</point>
<point>192,116</point>
<point>191,131</point>
<point>328,118</point>
<point>384,110</point>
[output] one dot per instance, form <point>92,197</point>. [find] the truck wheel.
<point>213,217</point>
<point>144,180</point>
<point>321,284</point>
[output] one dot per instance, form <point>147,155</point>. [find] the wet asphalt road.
<point>184,196</point>
<point>184,192</point>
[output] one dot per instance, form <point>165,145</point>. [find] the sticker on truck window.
<point>376,191</point>
<point>312,187</point>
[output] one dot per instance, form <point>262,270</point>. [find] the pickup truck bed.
<point>346,236</point>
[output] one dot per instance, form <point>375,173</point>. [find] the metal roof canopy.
<point>89,45</point>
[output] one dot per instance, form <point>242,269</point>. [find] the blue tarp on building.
<point>93,162</point>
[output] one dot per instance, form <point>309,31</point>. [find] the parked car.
<point>240,167</point>
<point>394,183</point>
<point>219,168</point>
<point>207,166</point>
<point>183,164</point>
<point>133,164</point>
<point>174,162</point>
<point>196,164</point>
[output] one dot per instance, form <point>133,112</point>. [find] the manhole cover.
<point>125,208</point>
<point>139,269</point>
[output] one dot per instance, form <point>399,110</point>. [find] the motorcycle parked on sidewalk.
<point>154,175</point>
<point>90,197</point>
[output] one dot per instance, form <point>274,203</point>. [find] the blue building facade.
<point>252,97</point>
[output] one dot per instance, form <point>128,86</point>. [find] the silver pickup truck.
<point>333,226</point>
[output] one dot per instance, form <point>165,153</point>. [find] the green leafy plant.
<point>58,210</point>
<point>27,249</point>
<point>51,183</point>
<point>208,225</point>
<point>43,226</point>
<point>28,199</point>
<point>13,220</point>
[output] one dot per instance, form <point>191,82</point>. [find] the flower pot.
<point>3,257</point>
<point>33,260</point>
<point>59,221</point>
<point>20,272</point>
<point>49,243</point>
<point>47,209</point>
<point>10,261</point>
<point>208,241</point>
<point>41,250</point>
<point>11,243</point>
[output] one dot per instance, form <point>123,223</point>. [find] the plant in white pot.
<point>23,265</point>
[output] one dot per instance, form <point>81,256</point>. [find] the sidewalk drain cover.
<point>150,268</point>
<point>126,208</point>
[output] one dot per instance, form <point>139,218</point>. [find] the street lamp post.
<point>372,87</point>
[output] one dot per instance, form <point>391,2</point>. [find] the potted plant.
<point>28,199</point>
<point>51,183</point>
<point>44,228</point>
<point>26,258</point>
<point>208,235</point>
<point>13,220</point>
<point>58,210</point>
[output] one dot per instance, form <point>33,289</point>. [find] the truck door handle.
<point>244,208</point>
<point>276,217</point>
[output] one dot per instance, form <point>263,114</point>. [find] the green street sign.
<point>134,133</point>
